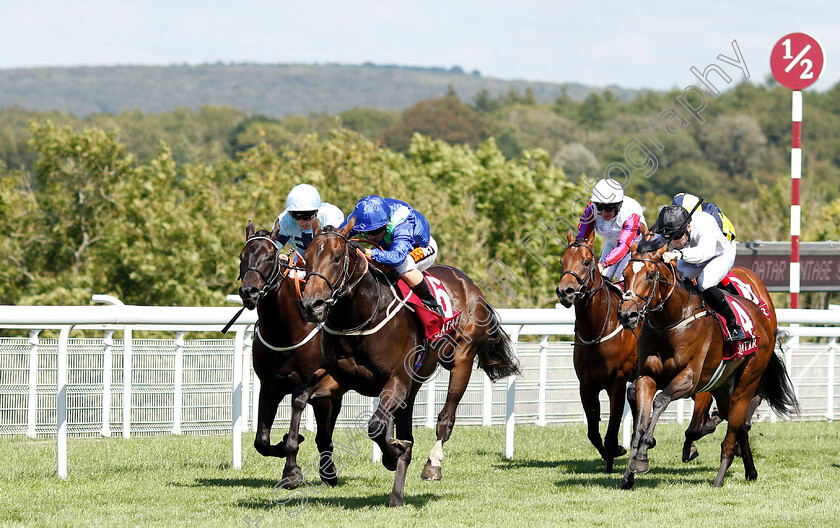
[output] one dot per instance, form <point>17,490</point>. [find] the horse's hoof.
<point>620,451</point>
<point>628,481</point>
<point>395,502</point>
<point>690,454</point>
<point>292,479</point>
<point>430,472</point>
<point>330,480</point>
<point>639,466</point>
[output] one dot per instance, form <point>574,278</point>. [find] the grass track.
<point>554,479</point>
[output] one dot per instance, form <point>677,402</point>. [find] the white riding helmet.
<point>608,191</point>
<point>303,197</point>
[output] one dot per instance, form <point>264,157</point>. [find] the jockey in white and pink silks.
<point>617,218</point>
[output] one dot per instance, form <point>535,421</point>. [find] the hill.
<point>271,89</point>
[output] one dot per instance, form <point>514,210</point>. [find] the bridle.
<point>586,289</point>
<point>275,278</point>
<point>585,285</point>
<point>342,289</point>
<point>630,295</point>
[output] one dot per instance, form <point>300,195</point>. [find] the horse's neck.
<point>281,320</point>
<point>592,310</point>
<point>369,296</point>
<point>679,305</point>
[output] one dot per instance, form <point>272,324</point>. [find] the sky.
<point>632,44</point>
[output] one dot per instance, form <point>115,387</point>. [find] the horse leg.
<point>701,424</point>
<point>680,386</point>
<point>292,474</point>
<point>323,439</point>
<point>404,439</point>
<point>592,411</point>
<point>737,435</point>
<point>612,448</point>
<point>459,377</point>
<point>267,410</point>
<point>642,394</point>
<point>381,424</point>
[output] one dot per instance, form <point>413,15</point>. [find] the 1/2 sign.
<point>797,61</point>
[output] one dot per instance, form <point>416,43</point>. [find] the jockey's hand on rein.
<point>668,256</point>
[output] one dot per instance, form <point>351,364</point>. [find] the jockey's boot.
<point>716,298</point>
<point>422,291</point>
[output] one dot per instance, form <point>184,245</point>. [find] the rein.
<point>645,308</point>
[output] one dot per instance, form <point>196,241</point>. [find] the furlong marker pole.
<point>795,209</point>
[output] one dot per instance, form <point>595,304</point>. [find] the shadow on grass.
<point>349,502</point>
<point>252,482</point>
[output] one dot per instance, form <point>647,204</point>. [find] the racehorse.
<point>287,349</point>
<point>372,344</point>
<point>680,350</point>
<point>604,352</point>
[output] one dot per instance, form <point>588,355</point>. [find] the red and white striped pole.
<point>795,210</point>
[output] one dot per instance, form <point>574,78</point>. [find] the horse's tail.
<point>778,388</point>
<point>498,358</point>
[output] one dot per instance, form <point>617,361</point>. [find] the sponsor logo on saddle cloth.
<point>434,326</point>
<point>743,348</point>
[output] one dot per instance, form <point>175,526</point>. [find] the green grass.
<point>554,479</point>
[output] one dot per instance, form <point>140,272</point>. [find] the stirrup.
<point>735,334</point>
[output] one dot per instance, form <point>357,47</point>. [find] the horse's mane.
<point>647,245</point>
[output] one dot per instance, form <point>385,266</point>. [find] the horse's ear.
<point>348,227</point>
<point>275,230</point>
<point>316,226</point>
<point>570,236</point>
<point>249,230</point>
<point>590,239</point>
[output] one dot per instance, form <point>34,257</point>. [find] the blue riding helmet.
<point>372,212</point>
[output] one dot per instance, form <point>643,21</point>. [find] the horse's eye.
<point>651,275</point>
<point>337,259</point>
<point>587,262</point>
<point>271,258</point>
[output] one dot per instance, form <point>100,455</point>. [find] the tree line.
<point>152,207</point>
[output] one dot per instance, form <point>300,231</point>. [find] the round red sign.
<point>797,61</point>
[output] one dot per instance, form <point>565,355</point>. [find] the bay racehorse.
<point>372,344</point>
<point>604,352</point>
<point>680,350</point>
<point>287,349</point>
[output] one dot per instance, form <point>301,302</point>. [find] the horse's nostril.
<point>569,292</point>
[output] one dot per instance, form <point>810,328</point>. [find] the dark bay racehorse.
<point>372,344</point>
<point>680,348</point>
<point>287,349</point>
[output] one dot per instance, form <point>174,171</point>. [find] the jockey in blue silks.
<point>404,236</point>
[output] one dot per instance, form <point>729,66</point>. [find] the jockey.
<point>689,202</point>
<point>303,204</point>
<point>405,240</point>
<point>702,252</point>
<point>618,219</point>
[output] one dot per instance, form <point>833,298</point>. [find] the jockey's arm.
<point>629,232</point>
<point>587,222</point>
<point>704,251</point>
<point>401,245</point>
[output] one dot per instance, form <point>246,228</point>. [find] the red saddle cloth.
<point>738,349</point>
<point>745,291</point>
<point>434,326</point>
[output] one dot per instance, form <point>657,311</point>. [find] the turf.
<point>555,478</point>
